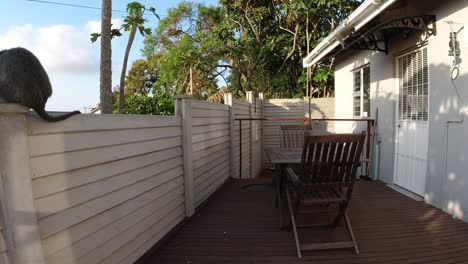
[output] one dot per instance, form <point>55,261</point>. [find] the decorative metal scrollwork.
<point>424,23</point>
<point>376,38</point>
<point>370,41</point>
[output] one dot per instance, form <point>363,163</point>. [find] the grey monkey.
<point>24,81</point>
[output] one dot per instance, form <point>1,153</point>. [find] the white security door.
<point>412,121</point>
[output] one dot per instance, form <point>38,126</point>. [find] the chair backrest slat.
<point>332,159</point>
<point>293,136</point>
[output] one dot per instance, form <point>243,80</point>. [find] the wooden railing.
<point>370,131</point>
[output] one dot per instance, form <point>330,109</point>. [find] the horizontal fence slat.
<point>197,113</point>
<point>210,135</point>
<point>204,153</point>
<point>63,181</point>
<point>58,143</point>
<point>60,201</point>
<point>148,225</point>
<point>208,128</point>
<point>90,226</point>
<point>196,104</point>
<point>205,168</point>
<point>154,233</point>
<point>209,143</point>
<point>56,163</point>
<point>64,219</point>
<point>155,210</point>
<point>89,122</point>
<point>202,121</point>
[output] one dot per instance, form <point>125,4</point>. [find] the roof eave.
<point>360,17</point>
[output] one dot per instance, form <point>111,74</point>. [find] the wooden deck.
<point>242,226</point>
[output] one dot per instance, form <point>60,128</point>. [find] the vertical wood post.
<point>307,110</point>
<point>20,220</point>
<point>228,100</point>
<point>251,100</point>
<point>183,109</point>
<point>260,96</point>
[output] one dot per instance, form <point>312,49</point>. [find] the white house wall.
<point>447,183</point>
<point>382,91</point>
<point>451,192</point>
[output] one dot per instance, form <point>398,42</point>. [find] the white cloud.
<point>70,59</point>
<point>94,26</point>
<point>60,48</point>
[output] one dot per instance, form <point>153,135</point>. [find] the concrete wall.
<point>446,177</point>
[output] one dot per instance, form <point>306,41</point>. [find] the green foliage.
<point>135,12</point>
<point>185,41</point>
<point>160,103</point>
<point>142,76</point>
<point>253,45</point>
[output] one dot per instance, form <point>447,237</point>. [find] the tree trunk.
<point>191,80</point>
<point>106,58</point>
<point>124,67</point>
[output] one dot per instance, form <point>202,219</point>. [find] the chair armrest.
<point>292,176</point>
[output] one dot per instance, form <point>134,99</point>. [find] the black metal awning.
<point>376,38</point>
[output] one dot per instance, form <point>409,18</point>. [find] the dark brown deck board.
<point>242,226</point>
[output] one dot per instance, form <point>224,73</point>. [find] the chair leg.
<point>280,202</point>
<point>293,222</point>
<point>351,234</point>
<point>277,184</point>
<point>341,212</point>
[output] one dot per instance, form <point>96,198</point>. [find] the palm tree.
<point>106,58</point>
<point>133,22</point>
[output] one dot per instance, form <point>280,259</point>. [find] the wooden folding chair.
<point>324,179</point>
<point>293,136</point>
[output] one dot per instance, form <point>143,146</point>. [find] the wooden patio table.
<point>282,157</point>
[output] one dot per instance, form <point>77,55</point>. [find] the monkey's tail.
<point>44,115</point>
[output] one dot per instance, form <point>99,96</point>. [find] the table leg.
<point>274,183</point>
<point>279,190</point>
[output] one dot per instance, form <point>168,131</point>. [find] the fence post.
<point>251,100</point>
<point>183,109</point>
<point>228,100</point>
<point>16,196</point>
<point>261,96</point>
<point>307,110</point>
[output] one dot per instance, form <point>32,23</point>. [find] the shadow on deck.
<point>242,226</point>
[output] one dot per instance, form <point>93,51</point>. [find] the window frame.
<point>359,93</point>
<point>404,111</point>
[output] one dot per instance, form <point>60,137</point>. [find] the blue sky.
<point>59,37</point>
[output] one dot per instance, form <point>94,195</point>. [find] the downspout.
<point>444,182</point>
<point>453,76</point>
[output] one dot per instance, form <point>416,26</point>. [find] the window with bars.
<point>413,86</point>
<point>361,92</point>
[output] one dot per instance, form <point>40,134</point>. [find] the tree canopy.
<point>241,45</point>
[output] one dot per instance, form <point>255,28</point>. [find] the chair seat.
<point>317,194</point>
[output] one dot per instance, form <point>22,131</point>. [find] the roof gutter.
<point>360,17</point>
